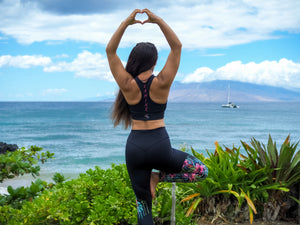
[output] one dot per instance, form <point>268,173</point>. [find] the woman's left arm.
<point>120,74</point>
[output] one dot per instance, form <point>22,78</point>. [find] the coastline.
<point>27,179</point>
<point>81,135</point>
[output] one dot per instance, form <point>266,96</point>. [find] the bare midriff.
<point>147,125</point>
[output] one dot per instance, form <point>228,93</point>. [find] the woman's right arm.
<point>169,71</point>
<point>120,74</point>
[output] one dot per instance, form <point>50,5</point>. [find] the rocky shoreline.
<point>7,147</point>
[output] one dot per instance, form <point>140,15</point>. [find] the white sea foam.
<point>3,191</point>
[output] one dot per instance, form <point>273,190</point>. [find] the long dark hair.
<point>142,58</point>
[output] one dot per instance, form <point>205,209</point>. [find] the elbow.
<point>109,50</point>
<point>177,47</point>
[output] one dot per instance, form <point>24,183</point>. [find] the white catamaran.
<point>229,104</point>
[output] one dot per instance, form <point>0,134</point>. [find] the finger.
<point>146,21</point>
<point>149,13</point>
<point>138,21</point>
<point>136,11</point>
<point>145,10</point>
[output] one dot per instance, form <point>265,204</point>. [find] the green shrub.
<point>98,196</point>
<point>22,161</point>
<point>95,197</point>
<point>16,197</point>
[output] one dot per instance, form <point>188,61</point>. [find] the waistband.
<point>159,129</point>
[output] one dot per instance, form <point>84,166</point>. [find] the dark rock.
<point>7,147</point>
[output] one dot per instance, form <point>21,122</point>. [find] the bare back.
<point>161,84</point>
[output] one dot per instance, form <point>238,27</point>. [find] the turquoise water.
<point>82,136</point>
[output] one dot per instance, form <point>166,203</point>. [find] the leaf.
<point>295,199</point>
<point>251,215</point>
<point>193,207</point>
<point>273,153</point>
<point>296,159</point>
<point>196,154</point>
<point>287,140</point>
<point>249,202</point>
<point>229,192</point>
<point>190,197</point>
<point>10,190</point>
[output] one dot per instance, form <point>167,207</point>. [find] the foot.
<point>153,183</point>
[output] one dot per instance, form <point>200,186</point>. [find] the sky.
<point>54,50</point>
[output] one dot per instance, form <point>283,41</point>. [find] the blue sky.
<point>54,50</point>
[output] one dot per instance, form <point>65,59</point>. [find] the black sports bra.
<point>146,109</point>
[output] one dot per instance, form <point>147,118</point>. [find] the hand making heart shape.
<point>142,17</point>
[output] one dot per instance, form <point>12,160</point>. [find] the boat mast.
<point>228,97</point>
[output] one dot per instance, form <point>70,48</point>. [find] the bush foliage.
<point>22,161</point>
<point>237,187</point>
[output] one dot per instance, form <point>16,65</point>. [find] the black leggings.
<point>151,149</point>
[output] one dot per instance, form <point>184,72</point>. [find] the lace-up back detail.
<point>146,109</point>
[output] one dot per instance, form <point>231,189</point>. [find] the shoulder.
<point>159,90</point>
<point>131,91</point>
<point>162,82</point>
<point>129,85</point>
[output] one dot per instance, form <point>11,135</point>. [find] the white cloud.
<point>87,65</point>
<point>24,61</point>
<point>282,73</point>
<point>199,24</point>
<point>55,91</point>
<point>201,74</point>
<point>62,56</point>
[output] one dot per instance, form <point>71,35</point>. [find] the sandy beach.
<point>27,179</point>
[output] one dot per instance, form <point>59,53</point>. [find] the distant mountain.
<point>106,98</point>
<point>217,91</point>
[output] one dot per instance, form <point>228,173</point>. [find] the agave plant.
<point>250,178</point>
<point>225,178</point>
<point>285,165</point>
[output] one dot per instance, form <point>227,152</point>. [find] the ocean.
<point>82,135</point>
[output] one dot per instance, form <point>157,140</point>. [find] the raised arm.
<point>116,66</point>
<point>168,73</point>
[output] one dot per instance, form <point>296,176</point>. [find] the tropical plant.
<point>22,161</point>
<point>163,203</point>
<point>229,175</point>
<point>285,165</point>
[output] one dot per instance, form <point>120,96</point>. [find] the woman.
<point>141,103</point>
